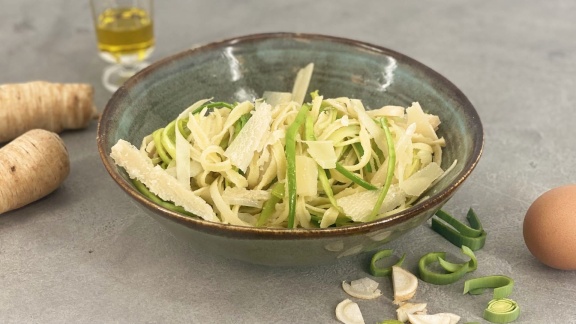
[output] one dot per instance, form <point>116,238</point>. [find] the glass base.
<point>114,76</point>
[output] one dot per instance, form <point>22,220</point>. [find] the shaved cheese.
<point>358,206</point>
<point>414,114</point>
<point>417,183</point>
<point>139,166</point>
<point>306,176</point>
<point>241,150</point>
<point>275,98</point>
<point>301,83</point>
<point>323,153</point>
<point>348,312</point>
<point>364,288</point>
<point>245,197</point>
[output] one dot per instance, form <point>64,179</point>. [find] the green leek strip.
<point>474,231</point>
<point>502,285</point>
<point>502,310</point>
<point>291,161</point>
<point>390,170</point>
<point>354,177</point>
<point>157,137</point>
<point>277,193</point>
<point>452,267</point>
<point>437,278</point>
<point>169,138</point>
<point>387,271</point>
<point>391,321</point>
<point>458,233</point>
<point>322,177</point>
<point>166,204</point>
<point>183,128</point>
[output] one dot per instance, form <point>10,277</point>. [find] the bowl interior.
<point>243,68</point>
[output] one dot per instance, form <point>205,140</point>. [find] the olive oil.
<point>124,33</point>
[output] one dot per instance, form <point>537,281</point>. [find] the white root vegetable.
<point>31,166</point>
<point>46,105</point>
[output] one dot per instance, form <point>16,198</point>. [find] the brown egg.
<point>550,228</point>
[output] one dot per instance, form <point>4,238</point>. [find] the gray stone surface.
<point>84,254</point>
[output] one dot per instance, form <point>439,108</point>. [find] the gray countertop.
<point>85,254</point>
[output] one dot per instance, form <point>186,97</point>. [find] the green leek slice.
<point>501,310</point>
<point>501,284</point>
<point>377,271</point>
<point>438,278</point>
<point>452,267</point>
<point>458,233</point>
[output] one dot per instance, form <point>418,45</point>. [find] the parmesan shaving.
<point>306,176</point>
<point>419,181</point>
<point>138,166</point>
<point>301,84</point>
<point>323,153</point>
<point>241,150</point>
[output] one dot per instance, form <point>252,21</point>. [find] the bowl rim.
<point>434,201</point>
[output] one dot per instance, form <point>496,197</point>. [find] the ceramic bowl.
<point>243,68</point>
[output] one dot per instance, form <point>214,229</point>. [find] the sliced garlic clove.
<point>441,318</point>
<point>364,288</point>
<point>453,317</point>
<point>404,284</point>
<point>410,308</point>
<point>348,312</point>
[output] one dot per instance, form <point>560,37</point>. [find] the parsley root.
<point>31,166</point>
<point>39,104</point>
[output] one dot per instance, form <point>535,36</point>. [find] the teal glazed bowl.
<point>243,68</point>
